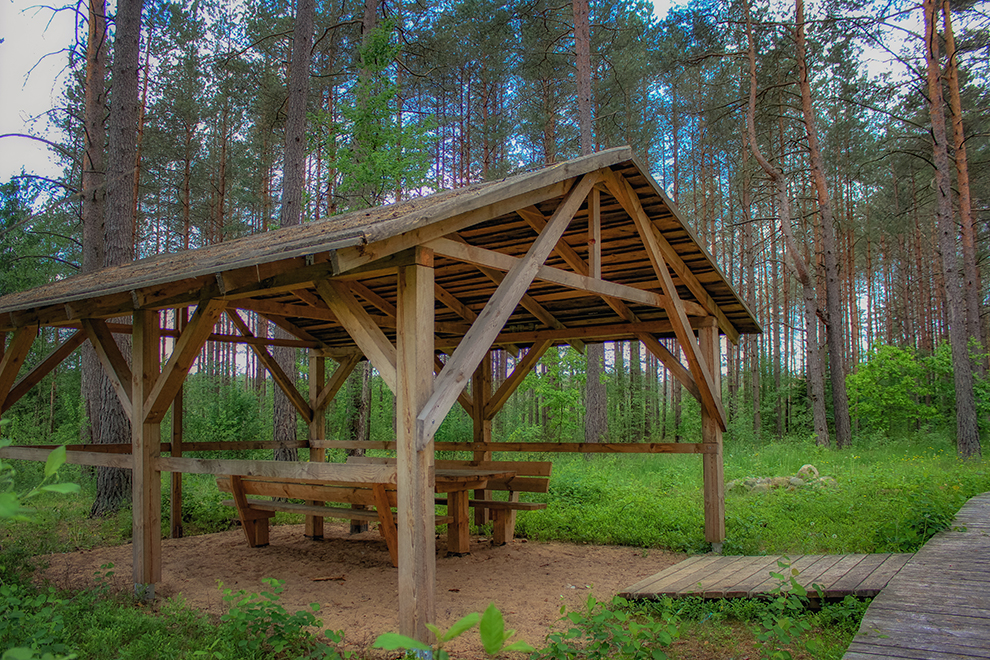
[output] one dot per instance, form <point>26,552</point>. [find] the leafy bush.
<point>620,629</point>
<point>32,619</point>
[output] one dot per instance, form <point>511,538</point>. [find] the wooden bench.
<point>530,477</point>
<point>370,502</point>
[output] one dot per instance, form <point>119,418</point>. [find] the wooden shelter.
<point>588,250</point>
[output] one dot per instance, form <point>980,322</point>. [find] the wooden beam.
<point>291,328</point>
<point>337,380</point>
<point>94,458</point>
<point>317,430</point>
<point>492,262</point>
<point>492,319</point>
<point>186,348</point>
<point>711,433</point>
<point>380,303</point>
<point>114,364</point>
<point>670,361</point>
<point>710,398</point>
<point>13,358</point>
<point>339,297</point>
<point>414,452</point>
<point>146,481</point>
<point>272,308</point>
<point>329,472</point>
<point>175,447</point>
<point>466,403</point>
<point>55,358</point>
<point>595,234</point>
<point>519,373</point>
<point>282,379</point>
<point>481,393</point>
<point>547,447</point>
<point>454,304</point>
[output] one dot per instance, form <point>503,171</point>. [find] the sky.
<point>32,75</point>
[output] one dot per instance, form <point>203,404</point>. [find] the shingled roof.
<point>274,273</point>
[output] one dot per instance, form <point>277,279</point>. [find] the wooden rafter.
<point>291,328</point>
<point>187,347</point>
<point>272,308</point>
<point>282,379</point>
<point>710,397</point>
<point>53,359</point>
<point>13,358</point>
<point>339,297</point>
<point>604,288</point>
<point>336,380</point>
<point>495,275</point>
<point>483,332</point>
<point>113,361</point>
<point>511,384</point>
<point>670,361</point>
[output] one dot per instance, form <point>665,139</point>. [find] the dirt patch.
<point>355,584</point>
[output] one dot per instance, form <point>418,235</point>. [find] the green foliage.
<point>218,410</point>
<point>32,620</point>
<point>381,151</point>
<point>12,503</point>
<point>257,626</point>
<point>783,624</point>
<point>888,390</point>
<point>491,628</point>
<point>619,629</point>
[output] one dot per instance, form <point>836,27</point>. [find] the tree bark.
<point>967,431</point>
<point>833,291</point>
<point>971,271</point>
<point>113,484</point>
<point>816,386</point>
<point>93,198</point>
<point>290,213</point>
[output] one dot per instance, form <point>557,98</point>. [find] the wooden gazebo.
<point>584,251</point>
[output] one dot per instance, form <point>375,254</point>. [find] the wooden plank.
<point>595,234</point>
<point>490,322</point>
<point>711,433</point>
<point>827,577</point>
<point>114,363</point>
<point>720,583</point>
<point>94,458</point>
<point>644,585</point>
<point>282,469</point>
<point>45,367</point>
<point>306,490</point>
<point>339,297</point>
<point>317,428</point>
<point>687,582</point>
<point>281,378</point>
<point>880,577</point>
<point>847,584</point>
<point>546,447</point>
<point>455,305</point>
<point>186,348</point>
<point>414,450</point>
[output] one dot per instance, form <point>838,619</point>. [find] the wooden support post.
<point>595,234</point>
<point>145,446</point>
<point>317,429</point>
<point>711,432</point>
<point>414,469</point>
<point>175,499</point>
<point>481,390</point>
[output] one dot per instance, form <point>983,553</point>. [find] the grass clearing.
<point>890,496</point>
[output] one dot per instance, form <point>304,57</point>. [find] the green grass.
<point>889,496</point>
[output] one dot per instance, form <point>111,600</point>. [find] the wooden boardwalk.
<point>716,576</point>
<point>938,606</point>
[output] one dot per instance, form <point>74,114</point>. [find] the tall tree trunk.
<point>816,386</point>
<point>967,431</point>
<point>293,182</point>
<point>113,484</point>
<point>94,194</point>
<point>833,292</point>
<point>971,272</point>
<point>595,399</point>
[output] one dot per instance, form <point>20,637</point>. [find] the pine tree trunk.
<point>816,386</point>
<point>113,485</point>
<point>967,431</point>
<point>833,304</point>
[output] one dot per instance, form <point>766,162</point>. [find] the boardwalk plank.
<point>846,585</point>
<point>878,579</point>
<point>721,585</point>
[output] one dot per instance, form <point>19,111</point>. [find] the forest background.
<point>406,98</point>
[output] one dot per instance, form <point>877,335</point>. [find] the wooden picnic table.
<point>458,484</point>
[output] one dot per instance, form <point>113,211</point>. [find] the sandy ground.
<point>355,584</point>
